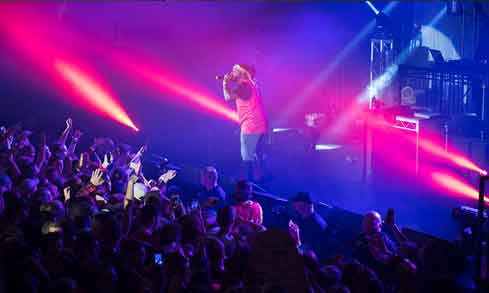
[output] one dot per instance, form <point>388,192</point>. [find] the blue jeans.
<point>252,146</point>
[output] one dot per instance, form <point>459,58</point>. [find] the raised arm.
<point>136,166</point>
<point>66,131</point>
<point>228,94</point>
<point>14,168</point>
<point>96,180</point>
<point>129,198</point>
<point>74,141</point>
<point>242,91</point>
<point>41,152</point>
<point>129,205</point>
<point>391,223</point>
<point>8,140</point>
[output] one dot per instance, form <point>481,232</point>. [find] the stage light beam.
<point>49,49</point>
<point>385,79</point>
<point>455,185</point>
<point>165,82</point>
<point>431,147</point>
<point>93,93</point>
<point>456,159</point>
<point>378,85</point>
<point>325,73</point>
<point>374,9</point>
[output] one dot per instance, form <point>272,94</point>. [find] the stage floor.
<point>420,210</point>
<point>340,184</point>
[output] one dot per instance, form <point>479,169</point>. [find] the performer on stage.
<point>240,86</point>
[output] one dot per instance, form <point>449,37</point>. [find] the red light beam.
<point>431,147</point>
<point>93,93</point>
<point>456,159</point>
<point>455,185</point>
<point>47,46</point>
<point>194,96</point>
<point>168,82</point>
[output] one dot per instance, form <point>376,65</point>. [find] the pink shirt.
<point>249,211</point>
<point>251,113</point>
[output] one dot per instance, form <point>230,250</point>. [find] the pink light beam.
<point>92,93</point>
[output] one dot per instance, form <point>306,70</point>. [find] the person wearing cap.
<point>240,86</point>
<point>312,227</point>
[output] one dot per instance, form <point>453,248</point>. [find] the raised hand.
<point>108,160</point>
<point>294,232</point>
<point>66,131</point>
<point>69,123</point>
<point>136,166</point>
<point>167,176</point>
<point>100,198</point>
<point>97,177</point>
<point>10,142</point>
<point>150,183</point>
<point>227,77</point>
<point>67,193</point>
<point>135,162</point>
<point>140,152</point>
<point>390,219</point>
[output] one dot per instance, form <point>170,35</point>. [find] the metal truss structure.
<point>382,55</point>
<point>409,124</point>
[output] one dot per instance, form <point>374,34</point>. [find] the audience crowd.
<point>89,221</point>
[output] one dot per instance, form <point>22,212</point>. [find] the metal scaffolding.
<point>381,57</point>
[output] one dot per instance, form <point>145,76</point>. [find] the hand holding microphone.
<point>227,77</point>
<point>220,77</point>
